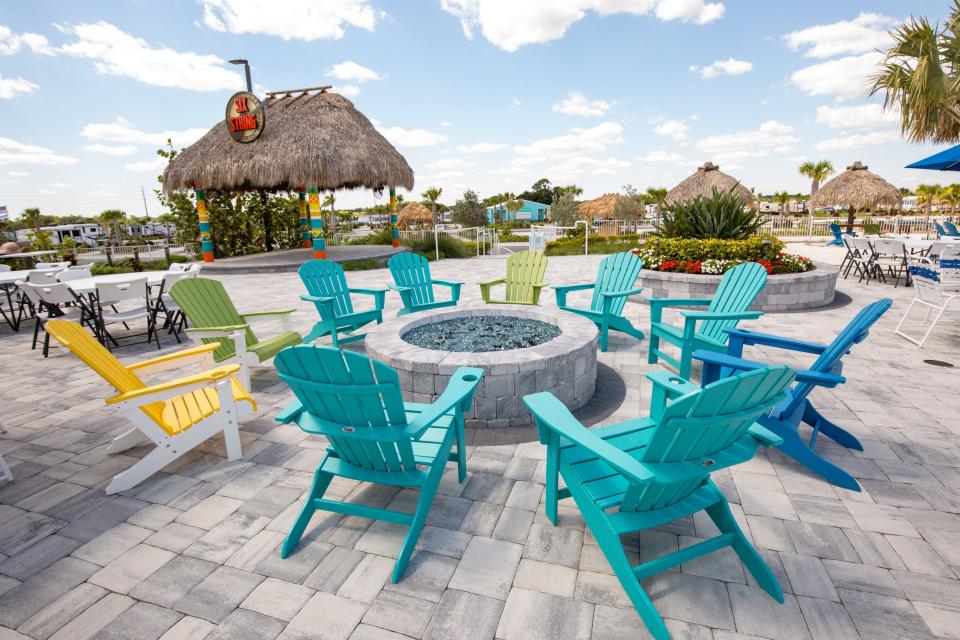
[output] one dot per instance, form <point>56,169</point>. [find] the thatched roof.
<point>308,138</point>
<point>703,182</point>
<point>414,213</point>
<point>857,188</point>
<point>601,207</point>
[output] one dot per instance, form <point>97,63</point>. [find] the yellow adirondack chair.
<point>524,280</point>
<point>177,415</point>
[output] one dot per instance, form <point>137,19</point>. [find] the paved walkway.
<point>193,553</point>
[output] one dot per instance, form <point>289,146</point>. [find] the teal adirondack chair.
<point>615,282</point>
<point>705,329</point>
<point>644,473</point>
<point>411,279</point>
<point>523,282</point>
<point>374,436</point>
<point>327,288</point>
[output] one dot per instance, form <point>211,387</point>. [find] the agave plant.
<point>722,214</point>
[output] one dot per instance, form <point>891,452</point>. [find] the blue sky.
<point>482,94</point>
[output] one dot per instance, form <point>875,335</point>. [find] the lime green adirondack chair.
<point>355,403</point>
<point>644,473</point>
<point>213,317</point>
<point>616,281</point>
<point>524,279</point>
<point>738,289</point>
<point>412,280</point>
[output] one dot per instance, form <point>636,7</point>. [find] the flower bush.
<point>715,257</point>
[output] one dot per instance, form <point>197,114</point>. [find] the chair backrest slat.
<point>617,272</point>
<point>524,269</point>
<point>738,288</point>
<point>324,278</point>
<point>413,270</point>
<point>206,304</point>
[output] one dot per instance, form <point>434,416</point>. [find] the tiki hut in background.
<point>703,182</point>
<point>602,207</point>
<point>311,140</point>
<point>856,188</point>
<point>415,214</point>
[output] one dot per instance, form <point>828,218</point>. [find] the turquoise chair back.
<point>618,272</point>
<point>325,278</point>
<point>704,429</point>
<point>413,270</point>
<point>354,393</point>
<point>940,230</point>
<point>952,228</point>
<point>738,289</point>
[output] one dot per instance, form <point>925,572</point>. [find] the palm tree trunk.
<point>434,206</point>
<point>851,215</point>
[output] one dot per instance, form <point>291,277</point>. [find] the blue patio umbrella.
<point>948,160</point>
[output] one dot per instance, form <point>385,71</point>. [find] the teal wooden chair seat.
<point>616,281</point>
<point>411,279</point>
<point>355,403</point>
<point>646,472</point>
<point>327,288</point>
<point>738,289</point>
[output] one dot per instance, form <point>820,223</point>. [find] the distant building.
<point>909,203</point>
<point>530,211</point>
<point>80,233</point>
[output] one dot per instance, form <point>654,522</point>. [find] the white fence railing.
<point>142,252</point>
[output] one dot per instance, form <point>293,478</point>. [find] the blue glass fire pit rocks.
<point>482,333</point>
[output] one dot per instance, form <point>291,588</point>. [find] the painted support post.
<point>394,227</point>
<point>304,218</point>
<point>316,226</point>
<point>206,239</point>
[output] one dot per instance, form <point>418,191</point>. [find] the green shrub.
<point>383,236</point>
<point>129,265</point>
<point>361,265</point>
<point>512,237</point>
<point>449,247</point>
<point>722,215</point>
<point>597,244</point>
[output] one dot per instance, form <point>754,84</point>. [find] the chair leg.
<point>686,360</point>
<point>798,450</point>
<point>132,438</point>
<point>461,449</point>
<point>653,347</point>
<point>552,477</point>
<point>833,431</point>
<point>604,333</point>
<point>321,481</point>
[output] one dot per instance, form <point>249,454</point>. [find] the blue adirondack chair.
<point>837,232</point>
<point>646,472</point>
<point>374,436</point>
<point>737,291</point>
<point>327,288</point>
<point>784,420</point>
<point>411,279</point>
<point>951,228</point>
<point>941,232</point>
<point>616,280</point>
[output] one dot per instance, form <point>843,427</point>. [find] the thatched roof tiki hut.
<point>856,188</point>
<point>415,213</point>
<point>703,182</point>
<point>602,207</point>
<point>309,140</point>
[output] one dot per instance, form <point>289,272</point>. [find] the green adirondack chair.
<point>644,473</point>
<point>327,288</point>
<point>213,317</point>
<point>616,280</point>
<point>524,279</point>
<point>738,289</point>
<point>411,279</point>
<point>374,436</point>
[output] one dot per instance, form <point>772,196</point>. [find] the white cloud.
<point>866,116</point>
<point>353,72</point>
<point>112,150</point>
<point>573,167</point>
<point>411,137</point>
<point>510,24</point>
<point>866,32</point>
<point>575,142</point>
<point>769,136</point>
<point>450,163</point>
<point>291,19</point>
<point>11,87</point>
<point>577,104</point>
<point>11,42</point>
<point>859,140</point>
<point>450,173</point>
<point>730,67</point>
<point>444,123</point>
<point>660,157</point>
<point>481,147</point>
<point>348,90</point>
<point>18,174</point>
<point>672,128</point>
<point>117,53</point>
<point>846,78</point>
<point>13,152</point>
<point>147,166</point>
<point>122,130</point>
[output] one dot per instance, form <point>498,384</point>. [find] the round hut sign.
<point>245,117</point>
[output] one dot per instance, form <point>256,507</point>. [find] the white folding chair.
<point>892,255</point>
<point>936,289</point>
<point>163,303</point>
<point>177,267</point>
<point>58,302</point>
<point>108,294</point>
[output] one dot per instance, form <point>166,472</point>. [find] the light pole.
<point>246,69</point>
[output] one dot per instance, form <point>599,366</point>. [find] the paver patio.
<point>194,552</point>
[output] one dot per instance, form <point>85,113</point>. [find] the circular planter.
<point>565,366</point>
<point>783,292</point>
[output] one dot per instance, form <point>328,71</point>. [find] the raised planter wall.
<point>784,292</point>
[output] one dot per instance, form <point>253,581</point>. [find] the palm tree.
<point>658,196</point>
<point>817,172</point>
<point>927,194</point>
<point>114,218</point>
<point>330,201</point>
<point>919,77</point>
<point>783,199</point>
<point>513,206</point>
<point>431,195</point>
<point>31,216</point>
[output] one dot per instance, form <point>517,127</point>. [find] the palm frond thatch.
<point>856,188</point>
<point>601,207</point>
<point>703,182</point>
<point>414,213</point>
<point>309,139</point>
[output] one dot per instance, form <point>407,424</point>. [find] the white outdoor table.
<point>27,254</point>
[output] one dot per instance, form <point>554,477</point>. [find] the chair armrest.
<point>458,394</point>
<point>667,387</point>
<point>621,294</point>
<point>270,313</point>
<point>318,299</point>
<point>217,332</point>
<point>175,360</point>
<point>540,285</point>
<point>721,315</point>
<point>574,287</point>
<point>657,305</point>
<point>766,437</point>
<point>552,414</point>
<point>714,363</point>
<point>741,337</point>
<point>379,296</point>
<point>491,283</point>
<point>165,390</point>
<point>448,283</point>
<point>290,412</point>
<point>399,288</point>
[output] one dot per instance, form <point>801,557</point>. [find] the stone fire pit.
<point>565,365</point>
